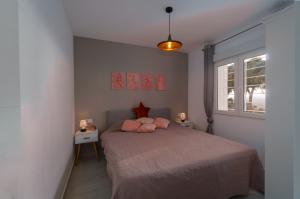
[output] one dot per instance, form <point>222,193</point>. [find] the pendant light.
<point>170,44</point>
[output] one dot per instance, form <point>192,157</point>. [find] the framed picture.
<point>133,81</point>
<point>118,80</point>
<point>147,81</point>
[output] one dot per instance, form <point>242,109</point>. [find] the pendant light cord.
<point>169,23</point>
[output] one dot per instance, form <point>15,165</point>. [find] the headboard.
<point>114,116</point>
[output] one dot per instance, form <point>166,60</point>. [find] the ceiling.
<point>144,22</point>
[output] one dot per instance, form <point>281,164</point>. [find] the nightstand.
<point>186,123</point>
<point>86,137</point>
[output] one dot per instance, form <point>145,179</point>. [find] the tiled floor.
<point>89,180</point>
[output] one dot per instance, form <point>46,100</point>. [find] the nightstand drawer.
<point>186,123</point>
<point>86,138</point>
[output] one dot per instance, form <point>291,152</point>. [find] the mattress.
<point>179,163</point>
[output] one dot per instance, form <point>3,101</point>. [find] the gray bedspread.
<point>179,163</point>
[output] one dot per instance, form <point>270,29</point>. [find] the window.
<point>241,85</point>
<point>226,80</point>
<point>255,84</point>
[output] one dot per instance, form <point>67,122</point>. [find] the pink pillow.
<point>161,123</point>
<point>130,125</point>
<point>146,128</point>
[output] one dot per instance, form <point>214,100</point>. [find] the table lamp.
<point>83,125</point>
<point>182,117</point>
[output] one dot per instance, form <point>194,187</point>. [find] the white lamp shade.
<point>182,116</point>
<point>83,124</point>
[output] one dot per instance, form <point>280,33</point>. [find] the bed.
<point>177,163</point>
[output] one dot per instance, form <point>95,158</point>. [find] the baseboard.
<point>65,178</point>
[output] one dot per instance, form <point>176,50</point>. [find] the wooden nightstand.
<point>86,137</point>
<point>186,123</point>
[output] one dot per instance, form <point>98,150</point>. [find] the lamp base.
<point>82,130</point>
<point>182,120</point>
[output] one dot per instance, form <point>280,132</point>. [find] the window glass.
<point>255,84</point>
<point>226,83</point>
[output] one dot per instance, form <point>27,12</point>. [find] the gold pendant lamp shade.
<point>170,44</point>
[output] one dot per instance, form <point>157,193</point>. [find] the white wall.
<point>281,127</point>
<point>248,41</point>
<point>249,131</point>
<point>37,97</point>
<point>9,99</point>
<point>245,130</point>
<point>196,112</point>
<point>282,137</point>
<point>47,96</point>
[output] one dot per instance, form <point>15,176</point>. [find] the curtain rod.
<point>237,34</point>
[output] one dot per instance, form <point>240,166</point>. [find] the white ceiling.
<point>144,22</point>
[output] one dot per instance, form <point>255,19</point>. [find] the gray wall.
<point>95,60</point>
<point>297,134</point>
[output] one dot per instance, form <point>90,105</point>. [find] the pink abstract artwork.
<point>118,80</point>
<point>146,81</point>
<point>133,81</point>
<point>161,82</point>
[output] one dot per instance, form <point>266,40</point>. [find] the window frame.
<point>238,86</point>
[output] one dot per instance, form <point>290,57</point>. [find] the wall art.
<point>147,81</point>
<point>133,81</point>
<point>118,80</point>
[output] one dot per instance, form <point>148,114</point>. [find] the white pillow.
<point>146,128</point>
<point>145,120</point>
